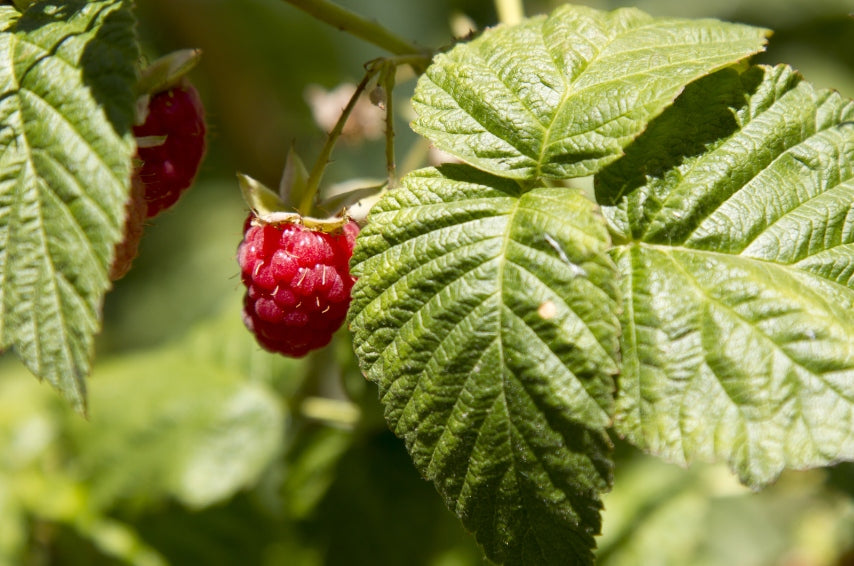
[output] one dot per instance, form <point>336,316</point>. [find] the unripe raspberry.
<point>297,284</point>
<point>171,145</point>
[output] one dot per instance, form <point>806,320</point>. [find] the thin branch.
<point>387,81</point>
<point>359,26</point>
<point>510,12</point>
<point>316,174</point>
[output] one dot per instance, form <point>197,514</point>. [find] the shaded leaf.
<point>487,317</point>
<point>588,84</point>
<point>377,510</point>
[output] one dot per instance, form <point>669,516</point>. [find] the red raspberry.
<point>127,249</point>
<point>168,168</point>
<point>297,284</point>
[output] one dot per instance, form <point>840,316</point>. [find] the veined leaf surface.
<point>487,316</point>
<point>66,110</point>
<point>737,264</point>
<point>561,96</point>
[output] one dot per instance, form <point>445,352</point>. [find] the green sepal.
<point>294,184</point>
<point>167,71</point>
<point>261,199</point>
<point>268,208</point>
<point>356,196</point>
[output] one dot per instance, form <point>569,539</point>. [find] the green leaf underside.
<point>561,96</point>
<point>738,275</point>
<point>66,77</point>
<point>487,316</point>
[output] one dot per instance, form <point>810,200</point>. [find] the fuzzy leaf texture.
<point>561,96</point>
<point>734,215</point>
<point>66,110</point>
<point>487,316</point>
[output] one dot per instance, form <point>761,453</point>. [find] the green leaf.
<point>8,16</point>
<point>662,514</point>
<point>182,421</point>
<point>487,316</point>
<point>310,467</point>
<point>372,481</point>
<point>560,96</point>
<point>66,110</point>
<point>737,263</point>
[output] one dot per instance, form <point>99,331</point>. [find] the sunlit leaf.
<point>738,328</point>
<point>487,315</point>
<point>66,109</point>
<point>560,96</point>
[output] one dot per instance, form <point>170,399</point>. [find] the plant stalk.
<point>357,25</point>
<point>387,80</point>
<point>510,12</point>
<point>316,175</point>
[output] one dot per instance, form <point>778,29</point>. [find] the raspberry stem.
<point>386,68</point>
<point>387,77</point>
<point>361,27</point>
<point>510,12</point>
<point>306,204</point>
<point>332,412</point>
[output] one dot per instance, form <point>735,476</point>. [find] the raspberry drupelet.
<point>175,126</point>
<point>297,283</point>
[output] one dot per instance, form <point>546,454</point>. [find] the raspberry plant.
<point>174,126</point>
<point>298,283</point>
<point>696,300</point>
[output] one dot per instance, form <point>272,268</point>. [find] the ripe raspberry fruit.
<point>171,145</point>
<point>297,284</point>
<point>127,249</point>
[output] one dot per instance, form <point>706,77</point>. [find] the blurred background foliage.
<point>202,449</point>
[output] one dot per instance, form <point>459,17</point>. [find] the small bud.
<point>378,97</point>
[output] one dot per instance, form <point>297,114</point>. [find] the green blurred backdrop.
<point>198,450</point>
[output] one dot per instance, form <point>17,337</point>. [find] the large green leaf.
<point>183,421</point>
<point>487,316</point>
<point>66,109</point>
<point>737,257</point>
<point>560,96</point>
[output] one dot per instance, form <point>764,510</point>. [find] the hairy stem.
<point>359,26</point>
<point>316,175</point>
<point>386,68</point>
<point>387,81</point>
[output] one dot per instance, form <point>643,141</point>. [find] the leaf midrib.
<point>510,427</point>
<point>570,93</point>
